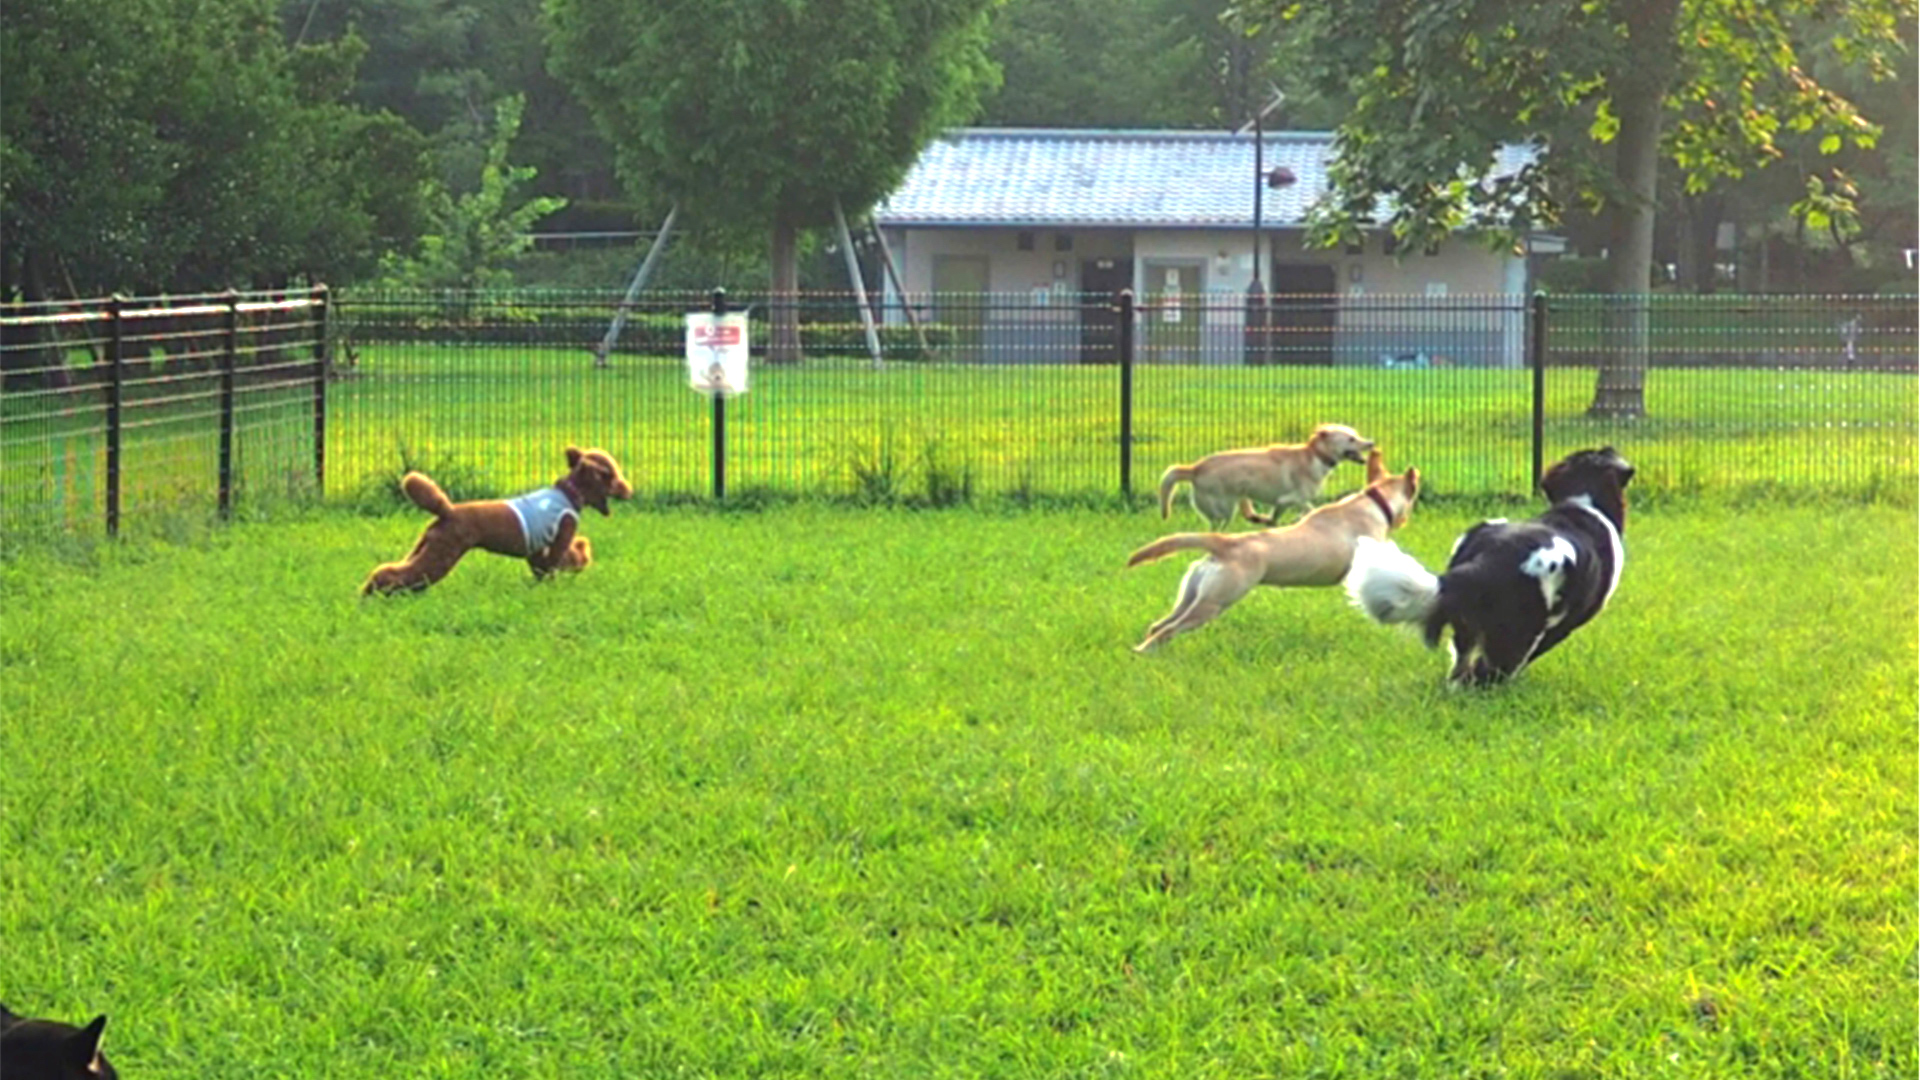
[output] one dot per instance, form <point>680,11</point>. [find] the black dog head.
<point>50,1050</point>
<point>1600,475</point>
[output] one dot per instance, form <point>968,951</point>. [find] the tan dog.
<point>1316,550</point>
<point>1279,475</point>
<point>539,527</point>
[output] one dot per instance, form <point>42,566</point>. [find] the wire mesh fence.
<point>1739,394</point>
<point>935,397</point>
<point>1073,394</point>
<point>143,414</point>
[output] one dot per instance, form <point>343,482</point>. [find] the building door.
<point>960,300</point>
<point>1171,320</point>
<point>1304,310</point>
<point>1100,283</point>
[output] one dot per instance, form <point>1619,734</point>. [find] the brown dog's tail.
<point>426,494</point>
<point>1174,475</point>
<point>1214,543</point>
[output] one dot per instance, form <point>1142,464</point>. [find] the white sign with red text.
<point>717,352</point>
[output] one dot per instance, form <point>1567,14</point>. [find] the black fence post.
<point>1258,326</point>
<point>719,415</point>
<point>1537,359</point>
<point>229,357</point>
<point>1125,303</point>
<point>322,357</point>
<point>116,388</point>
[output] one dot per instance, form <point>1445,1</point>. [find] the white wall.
<point>1461,306</point>
<point>1473,319</point>
<point>1008,268</point>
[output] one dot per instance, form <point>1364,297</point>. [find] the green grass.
<point>493,421</point>
<point>823,792</point>
<point>1054,429</point>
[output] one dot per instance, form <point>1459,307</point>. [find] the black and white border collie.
<point>1511,591</point>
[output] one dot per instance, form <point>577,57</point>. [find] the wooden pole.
<point>859,286</point>
<point>640,276</point>
<point>900,288</point>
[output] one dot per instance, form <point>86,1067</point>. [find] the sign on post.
<point>717,352</point>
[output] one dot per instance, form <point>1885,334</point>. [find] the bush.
<point>656,328</point>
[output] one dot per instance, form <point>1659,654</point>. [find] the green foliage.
<point>1570,274</point>
<point>834,793</point>
<point>1443,84</point>
<point>889,470</point>
<point>436,65</point>
<point>181,144</point>
<point>472,236</point>
<point>463,480</point>
<point>1133,64</point>
<point>876,468</point>
<point>520,319</point>
<point>756,114</point>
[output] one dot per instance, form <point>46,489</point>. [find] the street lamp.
<point>1259,311</point>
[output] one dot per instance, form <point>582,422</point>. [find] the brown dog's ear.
<point>1410,490</point>
<point>573,456</point>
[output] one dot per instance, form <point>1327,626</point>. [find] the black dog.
<point>1511,591</point>
<point>50,1050</point>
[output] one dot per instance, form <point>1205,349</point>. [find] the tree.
<point>154,145</point>
<point>763,116</point>
<point>1614,88</point>
<point>471,235</point>
<point>1140,63</point>
<point>444,65</point>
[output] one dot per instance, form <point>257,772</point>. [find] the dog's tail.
<point>426,494</point>
<point>1390,585</point>
<point>1214,543</point>
<point>1168,481</point>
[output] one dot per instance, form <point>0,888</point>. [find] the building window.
<point>1024,241</point>
<point>1062,241</point>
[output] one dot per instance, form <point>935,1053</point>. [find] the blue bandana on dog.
<point>541,513</point>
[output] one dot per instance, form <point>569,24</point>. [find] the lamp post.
<point>1259,330</point>
<point>1257,325</point>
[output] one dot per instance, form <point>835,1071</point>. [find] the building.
<point>1041,218</point>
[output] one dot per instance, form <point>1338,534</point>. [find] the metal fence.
<point>113,413</point>
<point>145,413</point>
<point>1051,394</point>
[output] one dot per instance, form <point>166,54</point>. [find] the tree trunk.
<point>784,318</point>
<point>1638,100</point>
<point>32,355</point>
<point>1699,243</point>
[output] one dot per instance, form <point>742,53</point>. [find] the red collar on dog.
<point>1381,502</point>
<point>1329,462</point>
<point>565,486</point>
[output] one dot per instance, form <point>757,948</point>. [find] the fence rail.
<point>159,408</point>
<point>118,410</point>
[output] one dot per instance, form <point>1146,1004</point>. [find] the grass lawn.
<point>495,417</point>
<point>824,792</point>
<point>493,420</point>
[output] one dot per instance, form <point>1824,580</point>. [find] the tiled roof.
<point>1058,176</point>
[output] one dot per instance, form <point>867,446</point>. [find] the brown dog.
<point>1316,550</point>
<point>1279,475</point>
<point>539,526</point>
